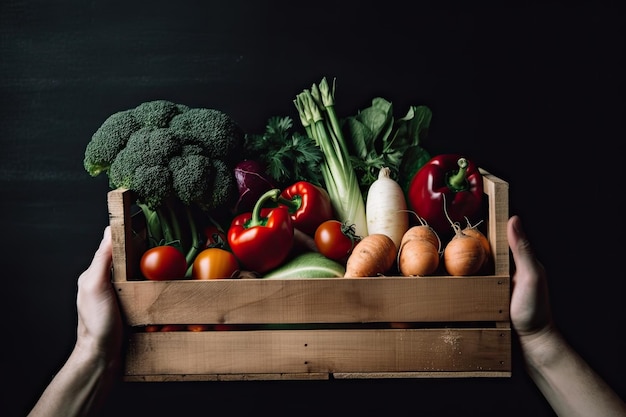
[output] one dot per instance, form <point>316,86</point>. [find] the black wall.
<point>534,94</point>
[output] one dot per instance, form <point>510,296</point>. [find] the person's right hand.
<point>530,304</point>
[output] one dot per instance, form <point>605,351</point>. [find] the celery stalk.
<point>316,108</point>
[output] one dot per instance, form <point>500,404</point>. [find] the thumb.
<point>103,257</point>
<point>521,248</point>
<point>99,271</point>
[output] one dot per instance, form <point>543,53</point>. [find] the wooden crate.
<point>317,328</point>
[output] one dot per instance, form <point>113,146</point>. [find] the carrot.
<point>422,231</point>
<point>464,254</point>
<point>386,208</point>
<point>420,250</point>
<point>472,230</point>
<point>418,257</point>
<point>374,255</point>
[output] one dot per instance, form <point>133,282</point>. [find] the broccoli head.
<point>194,150</point>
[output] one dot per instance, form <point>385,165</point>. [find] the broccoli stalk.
<point>164,228</point>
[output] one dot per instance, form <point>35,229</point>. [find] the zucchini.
<point>308,265</point>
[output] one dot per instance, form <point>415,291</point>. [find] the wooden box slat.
<point>331,300</point>
<point>321,352</point>
<point>459,326</point>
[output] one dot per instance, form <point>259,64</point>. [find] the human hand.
<point>530,306</point>
<point>100,325</point>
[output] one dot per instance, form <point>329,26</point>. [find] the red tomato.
<point>335,240</point>
<point>163,263</point>
<point>214,263</point>
<point>152,328</point>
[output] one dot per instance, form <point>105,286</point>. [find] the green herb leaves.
<point>376,139</point>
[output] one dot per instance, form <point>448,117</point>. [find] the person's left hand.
<point>100,325</point>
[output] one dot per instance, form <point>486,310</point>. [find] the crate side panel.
<point>119,209</point>
<point>128,241</point>
<point>497,192</point>
<point>319,351</point>
<point>333,300</point>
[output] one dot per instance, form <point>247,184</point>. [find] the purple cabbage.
<point>252,183</point>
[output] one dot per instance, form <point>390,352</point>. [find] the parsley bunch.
<point>289,156</point>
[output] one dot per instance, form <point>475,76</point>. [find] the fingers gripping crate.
<point>378,327</point>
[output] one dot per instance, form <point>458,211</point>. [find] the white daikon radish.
<point>386,208</point>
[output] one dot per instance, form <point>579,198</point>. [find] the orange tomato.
<point>173,328</point>
<point>198,327</point>
<point>214,263</point>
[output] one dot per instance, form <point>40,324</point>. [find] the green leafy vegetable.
<point>289,156</point>
<point>376,140</point>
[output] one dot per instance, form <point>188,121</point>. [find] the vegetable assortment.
<point>357,196</point>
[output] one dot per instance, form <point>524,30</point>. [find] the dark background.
<point>535,94</point>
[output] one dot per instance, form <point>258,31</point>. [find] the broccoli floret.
<point>142,165</point>
<point>224,185</point>
<point>178,160</point>
<point>191,174</point>
<point>158,113</point>
<point>212,129</point>
<point>110,138</point>
<point>114,133</point>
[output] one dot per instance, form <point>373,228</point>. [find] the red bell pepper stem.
<point>256,219</point>
<point>457,180</point>
<point>292,204</point>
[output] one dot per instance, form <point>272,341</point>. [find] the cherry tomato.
<point>335,239</point>
<point>214,263</point>
<point>150,328</point>
<point>173,328</point>
<point>163,263</point>
<point>198,327</point>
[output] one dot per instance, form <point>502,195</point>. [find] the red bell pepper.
<point>308,205</point>
<point>262,239</point>
<point>448,179</point>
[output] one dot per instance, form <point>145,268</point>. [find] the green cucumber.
<point>308,265</point>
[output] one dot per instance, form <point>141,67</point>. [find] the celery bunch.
<point>316,108</point>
